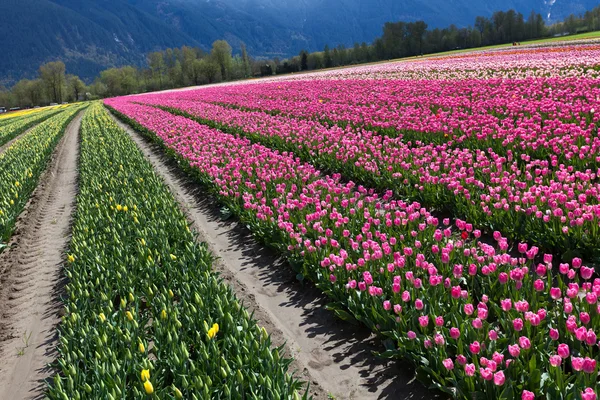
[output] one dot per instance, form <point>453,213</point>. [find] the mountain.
<point>90,35</point>
<point>87,35</point>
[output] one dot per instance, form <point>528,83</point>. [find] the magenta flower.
<point>419,304</point>
<point>589,365</point>
<point>518,324</point>
<point>563,350</point>
<point>577,363</point>
<point>588,394</point>
<point>514,350</point>
<point>475,347</point>
<point>524,342</point>
<point>527,395</point>
<point>555,360</point>
<point>448,364</point>
<point>454,333</point>
<point>499,378</point>
<point>470,369</point>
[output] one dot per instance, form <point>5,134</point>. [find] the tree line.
<point>406,39</point>
<point>187,66</point>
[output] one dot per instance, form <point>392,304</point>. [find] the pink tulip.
<point>588,394</point>
<point>448,364</point>
<point>499,378</point>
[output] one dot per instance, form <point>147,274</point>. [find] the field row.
<point>473,317</point>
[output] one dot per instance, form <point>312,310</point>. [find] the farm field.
<point>324,235</point>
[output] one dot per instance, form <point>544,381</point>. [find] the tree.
<point>416,31</point>
<point>303,60</point>
<point>315,61</point>
<point>209,70</point>
<point>195,72</point>
<point>246,62</point>
<point>119,81</point>
<point>75,87</point>
<point>188,56</point>
<point>20,94</point>
<point>53,77</point>
<point>327,59</point>
<point>221,54</point>
<point>156,62</point>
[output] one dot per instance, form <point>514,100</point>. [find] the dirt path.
<point>31,278</point>
<point>335,356</point>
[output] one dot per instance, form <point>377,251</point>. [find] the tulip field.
<point>449,205</point>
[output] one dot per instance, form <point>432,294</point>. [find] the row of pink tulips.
<point>474,318</point>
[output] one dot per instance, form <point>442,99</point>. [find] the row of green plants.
<point>22,164</point>
<point>145,317</point>
<point>17,125</point>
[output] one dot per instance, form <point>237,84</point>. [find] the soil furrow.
<point>31,279</point>
<point>335,356</point>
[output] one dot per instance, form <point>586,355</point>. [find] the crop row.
<point>476,320</point>
<point>22,164</point>
<point>17,125</point>
<point>526,199</point>
<point>144,313</point>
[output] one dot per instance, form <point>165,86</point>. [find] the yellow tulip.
<point>145,375</point>
<point>71,258</point>
<point>173,257</point>
<point>141,347</point>
<point>148,387</point>
<point>119,207</point>
<point>163,314</point>
<point>177,392</point>
<point>17,184</point>
<point>129,315</point>
<point>102,317</point>
<point>212,332</point>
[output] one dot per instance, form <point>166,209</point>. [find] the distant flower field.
<point>449,204</point>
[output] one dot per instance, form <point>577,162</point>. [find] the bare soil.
<point>334,356</point>
<point>31,279</point>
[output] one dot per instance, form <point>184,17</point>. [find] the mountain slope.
<point>87,35</point>
<point>90,35</point>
